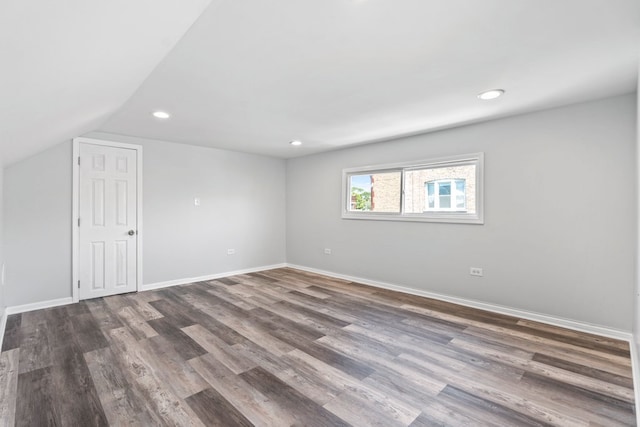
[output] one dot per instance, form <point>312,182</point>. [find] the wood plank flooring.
<point>285,347</point>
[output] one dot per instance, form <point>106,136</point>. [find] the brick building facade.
<point>386,189</point>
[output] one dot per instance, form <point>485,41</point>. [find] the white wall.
<point>243,207</point>
<point>560,215</point>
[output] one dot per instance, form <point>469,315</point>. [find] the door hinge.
<point>78,222</point>
<point>78,161</point>
<point>78,284</point>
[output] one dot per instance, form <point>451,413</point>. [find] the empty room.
<point>319,213</point>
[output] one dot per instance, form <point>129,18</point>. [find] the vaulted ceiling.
<point>67,66</point>
<point>251,75</point>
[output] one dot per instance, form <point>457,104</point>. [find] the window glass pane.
<point>375,192</point>
<point>431,189</point>
<point>444,188</point>
<point>431,200</point>
<point>386,189</point>
<point>460,194</point>
<point>437,190</point>
<point>360,191</point>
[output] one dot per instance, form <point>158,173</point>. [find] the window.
<point>375,192</point>
<point>446,195</point>
<point>438,190</point>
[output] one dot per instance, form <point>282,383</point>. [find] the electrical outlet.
<point>327,251</point>
<point>231,251</point>
<point>475,271</point>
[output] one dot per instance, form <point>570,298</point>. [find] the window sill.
<point>443,218</point>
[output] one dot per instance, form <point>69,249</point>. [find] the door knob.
<point>131,232</point>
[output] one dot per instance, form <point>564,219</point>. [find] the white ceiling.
<point>67,66</point>
<point>251,75</point>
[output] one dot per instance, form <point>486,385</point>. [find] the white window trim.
<point>427,216</point>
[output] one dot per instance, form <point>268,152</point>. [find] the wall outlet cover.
<point>475,271</point>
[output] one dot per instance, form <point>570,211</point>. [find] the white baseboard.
<point>38,305</point>
<point>539,317</point>
<point>3,326</point>
<point>543,318</point>
<point>176,282</point>
<point>529,315</point>
<point>64,301</point>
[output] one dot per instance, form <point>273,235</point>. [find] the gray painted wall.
<point>243,207</point>
<point>636,296</point>
<point>551,242</point>
<point>3,298</point>
<point>560,215</point>
<point>37,223</point>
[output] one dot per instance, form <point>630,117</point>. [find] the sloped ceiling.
<point>67,66</point>
<point>251,75</point>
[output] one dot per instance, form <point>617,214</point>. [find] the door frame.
<point>75,210</point>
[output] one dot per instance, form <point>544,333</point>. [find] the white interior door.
<point>107,208</point>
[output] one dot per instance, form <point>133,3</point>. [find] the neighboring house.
<point>450,189</point>
<point>441,189</point>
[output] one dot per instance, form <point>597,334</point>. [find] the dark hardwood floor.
<point>285,347</point>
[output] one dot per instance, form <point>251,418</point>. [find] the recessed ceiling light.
<point>491,94</point>
<point>161,115</point>
<point>295,142</point>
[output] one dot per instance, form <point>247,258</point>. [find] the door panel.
<point>107,211</point>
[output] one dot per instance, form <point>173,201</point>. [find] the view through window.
<point>441,190</point>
